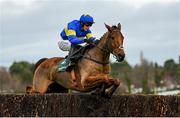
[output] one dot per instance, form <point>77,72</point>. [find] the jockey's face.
<point>86,26</point>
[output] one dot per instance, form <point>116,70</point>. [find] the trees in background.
<point>17,78</point>
<point>169,67</point>
<point>171,73</point>
<point>177,74</point>
<point>22,70</point>
<point>6,83</point>
<point>146,75</point>
<point>158,74</point>
<point>122,71</point>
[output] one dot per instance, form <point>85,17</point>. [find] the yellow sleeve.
<point>89,35</point>
<point>70,32</point>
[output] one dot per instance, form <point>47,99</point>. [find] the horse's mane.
<point>102,37</point>
<point>105,34</point>
<point>113,27</point>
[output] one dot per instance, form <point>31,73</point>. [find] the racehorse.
<point>90,73</point>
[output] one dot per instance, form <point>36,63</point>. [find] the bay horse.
<point>90,73</point>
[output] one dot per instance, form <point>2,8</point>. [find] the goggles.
<point>88,24</point>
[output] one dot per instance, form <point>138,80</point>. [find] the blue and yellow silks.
<point>74,33</point>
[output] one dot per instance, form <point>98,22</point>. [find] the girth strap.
<point>99,62</point>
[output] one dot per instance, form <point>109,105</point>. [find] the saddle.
<point>79,53</point>
<point>77,56</point>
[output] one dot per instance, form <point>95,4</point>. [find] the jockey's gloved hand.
<point>90,40</point>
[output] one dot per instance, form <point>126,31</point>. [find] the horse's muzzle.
<point>120,58</point>
<point>120,55</point>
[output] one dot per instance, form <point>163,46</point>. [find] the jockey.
<point>77,32</point>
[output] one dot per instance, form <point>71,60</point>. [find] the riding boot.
<point>72,57</point>
<point>63,65</point>
<point>71,64</point>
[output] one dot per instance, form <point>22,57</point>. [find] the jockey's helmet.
<point>86,19</point>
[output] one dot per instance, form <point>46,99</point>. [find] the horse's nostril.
<point>121,55</point>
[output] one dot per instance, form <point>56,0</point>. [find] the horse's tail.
<point>29,89</point>
<point>39,62</point>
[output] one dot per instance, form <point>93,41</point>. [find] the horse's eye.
<point>112,38</point>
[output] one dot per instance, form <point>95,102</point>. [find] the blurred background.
<point>29,30</point>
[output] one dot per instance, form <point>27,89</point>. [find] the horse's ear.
<point>119,26</point>
<point>108,27</point>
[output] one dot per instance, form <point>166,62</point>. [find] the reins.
<point>94,60</point>
<point>99,62</point>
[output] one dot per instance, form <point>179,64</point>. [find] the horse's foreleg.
<point>93,81</point>
<point>100,82</point>
<point>107,89</point>
<point>111,90</point>
<point>97,81</point>
<point>99,90</point>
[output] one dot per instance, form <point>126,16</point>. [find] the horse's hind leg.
<point>56,88</point>
<point>41,85</point>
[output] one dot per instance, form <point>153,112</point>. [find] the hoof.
<point>101,94</point>
<point>106,95</point>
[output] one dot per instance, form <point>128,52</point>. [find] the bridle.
<point>109,49</point>
<point>106,49</point>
